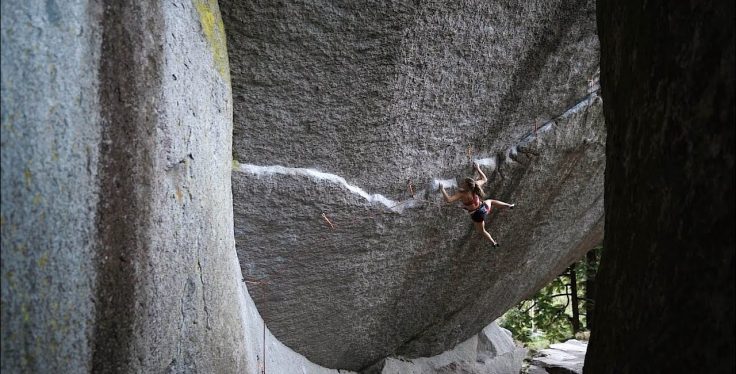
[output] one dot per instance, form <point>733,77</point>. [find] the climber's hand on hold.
<point>483,179</point>
<point>445,195</point>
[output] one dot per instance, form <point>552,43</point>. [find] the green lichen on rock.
<point>214,31</point>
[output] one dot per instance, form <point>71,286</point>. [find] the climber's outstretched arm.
<point>449,198</point>
<point>483,178</point>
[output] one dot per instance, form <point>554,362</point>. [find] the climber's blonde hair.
<point>473,186</point>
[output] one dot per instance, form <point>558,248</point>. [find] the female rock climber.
<point>471,195</point>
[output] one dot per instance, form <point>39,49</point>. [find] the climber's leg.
<point>498,204</point>
<point>481,228</point>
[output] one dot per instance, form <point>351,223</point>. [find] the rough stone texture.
<point>181,275</point>
<point>117,226</point>
<point>395,281</point>
<point>278,357</point>
<point>563,358</point>
<point>377,95</point>
<point>381,92</point>
<point>534,369</point>
<point>665,300</point>
<point>492,351</point>
<point>49,138</point>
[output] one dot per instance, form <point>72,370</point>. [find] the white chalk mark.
<point>547,126</point>
<point>447,183</point>
<point>489,163</point>
<point>586,102</point>
<point>319,175</point>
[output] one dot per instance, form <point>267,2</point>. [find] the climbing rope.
<point>333,223</point>
<point>328,220</point>
<point>261,363</point>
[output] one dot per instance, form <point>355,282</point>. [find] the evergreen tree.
<point>553,314</point>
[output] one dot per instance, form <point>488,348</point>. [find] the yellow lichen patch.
<point>24,313</point>
<point>8,121</point>
<point>27,177</point>
<point>43,260</point>
<point>236,165</point>
<point>214,31</point>
<point>37,199</point>
<point>10,278</point>
<point>179,194</point>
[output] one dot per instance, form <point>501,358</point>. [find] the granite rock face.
<point>118,252</point>
<point>345,119</point>
<point>49,139</point>
<point>492,351</point>
<point>666,278</point>
<point>115,256</point>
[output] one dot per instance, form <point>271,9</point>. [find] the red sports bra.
<point>473,205</point>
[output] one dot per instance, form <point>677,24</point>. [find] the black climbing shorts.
<point>479,215</point>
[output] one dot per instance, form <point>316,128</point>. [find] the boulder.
<point>564,357</point>
<point>492,351</point>
<point>346,119</point>
<point>534,369</point>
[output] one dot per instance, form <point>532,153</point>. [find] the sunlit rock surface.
<point>564,357</point>
<point>491,351</point>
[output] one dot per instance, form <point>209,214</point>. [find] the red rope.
<point>328,221</point>
<point>335,223</point>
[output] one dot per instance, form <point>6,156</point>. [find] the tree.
<point>575,318</point>
<point>591,268</point>
<point>554,312</point>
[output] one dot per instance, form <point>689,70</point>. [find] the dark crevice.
<point>129,73</point>
<point>204,295</point>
